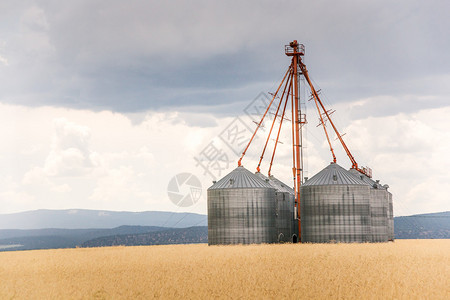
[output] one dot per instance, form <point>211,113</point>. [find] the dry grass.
<point>417,269</point>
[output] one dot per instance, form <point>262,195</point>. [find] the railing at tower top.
<point>289,50</point>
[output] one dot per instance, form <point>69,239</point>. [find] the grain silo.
<point>381,209</point>
<point>335,207</point>
<point>286,224</point>
<point>241,210</point>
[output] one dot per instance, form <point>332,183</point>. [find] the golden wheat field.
<point>405,269</point>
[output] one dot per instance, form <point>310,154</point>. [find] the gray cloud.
<point>134,56</point>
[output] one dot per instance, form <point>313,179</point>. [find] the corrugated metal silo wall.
<point>335,213</point>
<point>285,216</point>
<point>242,216</point>
<point>390,218</point>
<point>379,207</point>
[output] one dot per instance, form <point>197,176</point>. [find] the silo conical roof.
<point>363,177</point>
<point>240,178</point>
<point>334,174</point>
<point>276,183</point>
<point>368,180</point>
<point>282,186</point>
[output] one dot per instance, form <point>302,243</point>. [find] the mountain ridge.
<point>85,219</point>
<point>421,226</point>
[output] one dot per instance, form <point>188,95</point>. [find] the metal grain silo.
<point>241,210</point>
<point>286,224</point>
<point>335,207</point>
<point>382,217</point>
<point>390,216</point>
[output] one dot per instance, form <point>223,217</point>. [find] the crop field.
<point>404,269</point>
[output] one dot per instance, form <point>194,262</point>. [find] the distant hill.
<point>191,235</point>
<point>82,233</point>
<point>424,226</point>
<point>14,239</point>
<point>70,228</point>
<point>84,219</point>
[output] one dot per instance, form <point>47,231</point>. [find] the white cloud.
<point>96,160</point>
<point>119,186</point>
<point>408,151</point>
<point>4,61</point>
<point>34,18</point>
<point>12,198</point>
<point>63,188</point>
<point>120,57</point>
<point>101,160</point>
<point>69,154</point>
<point>37,177</point>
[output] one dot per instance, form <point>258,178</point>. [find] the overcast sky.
<point>103,102</point>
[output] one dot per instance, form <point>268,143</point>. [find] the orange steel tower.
<point>291,90</point>
<point>296,50</point>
